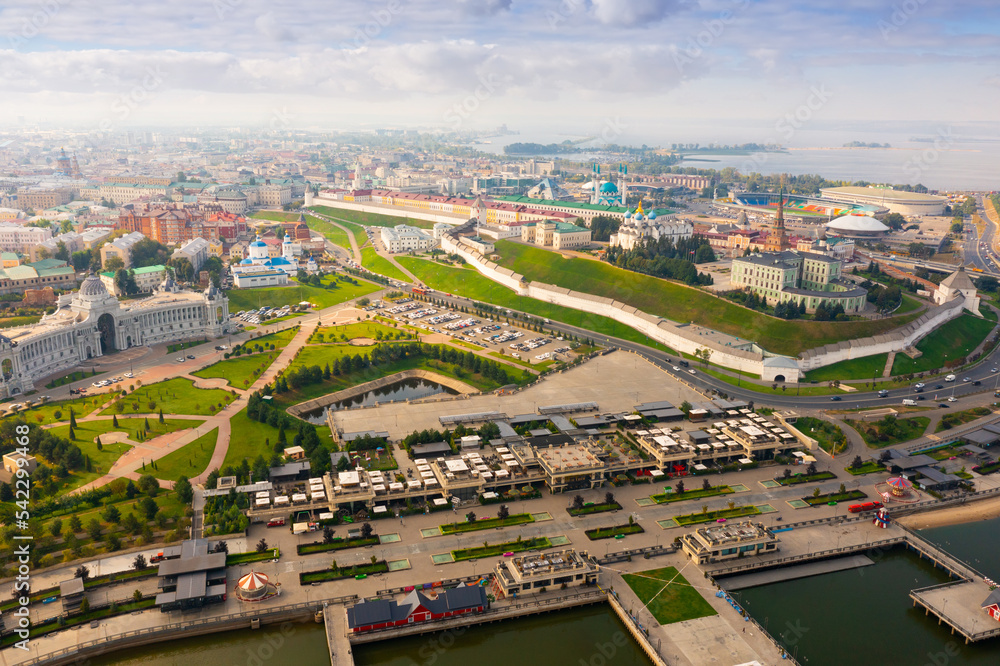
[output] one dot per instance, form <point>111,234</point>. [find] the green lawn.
<point>251,438</point>
<point>668,595</point>
<point>680,303</point>
<point>519,546</point>
<point>796,479</point>
<point>824,432</point>
<point>279,339</point>
<point>101,461</point>
<point>12,322</point>
<point>866,367</point>
<point>190,460</point>
<point>713,516</point>
<point>371,260</point>
<point>949,342</point>
<point>185,345</point>
<point>80,406</point>
<point>690,494</point>
<point>613,532</point>
<point>371,219</point>
<point>470,283</point>
<point>174,396</point>
<point>346,332</point>
<point>322,297</point>
<point>850,495</point>
<point>594,508</point>
<point>780,389</point>
<point>908,429</point>
<point>909,304</point>
<point>487,524</point>
<point>870,467</point>
<point>949,421</point>
<point>240,371</point>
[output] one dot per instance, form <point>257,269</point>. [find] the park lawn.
<point>174,396</point>
<point>691,493</point>
<point>80,406</point>
<point>951,341</point>
<point>371,219</point>
<point>588,509</point>
<point>613,532</point>
<point>26,320</point>
<point>908,305</point>
<point>470,283</point>
<point>519,546</point>
<point>376,263</point>
<point>239,371</point>
<point>88,430</point>
<point>823,432</point>
<point>526,363</point>
<point>276,215</point>
<point>487,524</point>
<point>469,345</point>
<point>681,303</point>
<point>949,421</point>
<point>870,467</point>
<point>865,367</point>
<point>346,332</point>
<point>275,297</point>
<point>190,460</point>
<point>668,595</point>
<point>251,438</point>
<point>850,495</point>
<point>911,428</point>
<point>74,376</point>
<point>795,479</point>
<point>167,500</point>
<point>714,516</point>
<point>340,382</point>
<point>326,353</point>
<point>279,339</point>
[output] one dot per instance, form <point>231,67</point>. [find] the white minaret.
<point>356,183</point>
<point>622,186</point>
<point>595,186</point>
<point>286,248</point>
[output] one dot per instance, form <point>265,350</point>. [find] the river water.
<point>404,389</point>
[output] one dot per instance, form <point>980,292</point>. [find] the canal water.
<point>404,389</point>
<point>841,617</point>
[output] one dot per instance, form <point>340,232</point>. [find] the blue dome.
<point>652,216</point>
<point>609,187</point>
<point>258,244</point>
<point>247,261</point>
<point>628,214</point>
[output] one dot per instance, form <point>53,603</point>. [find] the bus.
<point>418,290</point>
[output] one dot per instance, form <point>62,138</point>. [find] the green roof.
<point>149,269</point>
<point>8,256</point>
<point>20,272</point>
<point>55,272</point>
<point>528,201</point>
<point>47,263</point>
<point>561,227</point>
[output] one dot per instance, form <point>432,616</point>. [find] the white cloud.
<point>633,13</point>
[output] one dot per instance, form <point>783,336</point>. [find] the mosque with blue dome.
<point>607,193</point>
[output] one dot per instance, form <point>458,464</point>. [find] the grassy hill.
<point>682,304</point>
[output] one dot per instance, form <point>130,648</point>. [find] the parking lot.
<point>493,335</point>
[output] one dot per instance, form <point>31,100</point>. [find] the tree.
<point>94,528</point>
<point>111,514</point>
<point>503,513</point>
<point>161,414</point>
<point>149,507</point>
<point>84,606</point>
<point>705,485</point>
<point>149,485</point>
<point>327,534</point>
<point>787,474</point>
<point>114,264</point>
<point>856,463</point>
<point>703,354</point>
<point>139,563</point>
<point>366,531</point>
<point>811,469</point>
<point>75,525</point>
<point>470,517</point>
<point>680,487</point>
<point>185,493</point>
<point>114,420</point>
<point>125,281</point>
<point>578,502</point>
<point>609,498</point>
<point>72,418</point>
<point>182,268</point>
<point>55,527</point>
<point>82,572</point>
<point>261,545</point>
<point>137,595</point>
<point>686,407</point>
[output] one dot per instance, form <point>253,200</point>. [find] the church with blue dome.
<point>257,257</point>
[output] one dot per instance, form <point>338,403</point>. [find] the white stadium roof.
<point>864,223</point>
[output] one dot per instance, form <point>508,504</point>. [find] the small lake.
<point>404,389</point>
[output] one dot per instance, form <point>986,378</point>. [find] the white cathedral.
<point>91,322</point>
<point>637,227</point>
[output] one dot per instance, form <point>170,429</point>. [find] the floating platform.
<point>744,581</point>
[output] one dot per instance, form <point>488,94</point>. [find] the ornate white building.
<point>91,322</point>
<point>637,227</point>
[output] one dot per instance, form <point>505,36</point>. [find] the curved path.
<point>335,221</point>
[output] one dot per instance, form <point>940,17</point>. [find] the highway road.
<point>982,372</point>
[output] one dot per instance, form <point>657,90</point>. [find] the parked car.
<point>836,398</point>
<point>276,522</point>
<point>191,356</point>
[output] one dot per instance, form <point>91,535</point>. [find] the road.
<point>990,381</point>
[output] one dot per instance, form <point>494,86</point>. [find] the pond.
<point>404,389</point>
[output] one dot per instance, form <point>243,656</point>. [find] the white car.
<point>952,399</point>
<point>918,385</point>
<point>180,359</point>
<point>676,369</point>
<point>691,371</point>
<point>129,375</point>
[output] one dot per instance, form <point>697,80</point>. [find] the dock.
<point>958,604</point>
<point>335,623</point>
<point>795,572</point>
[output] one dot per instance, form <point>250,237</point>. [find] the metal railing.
<point>807,556</point>
<point>112,642</point>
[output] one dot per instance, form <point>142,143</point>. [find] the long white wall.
<point>394,211</point>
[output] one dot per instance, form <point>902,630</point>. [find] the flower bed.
<point>325,575</point>
<point>612,532</point>
<point>487,524</point>
<point>594,508</point>
<point>336,544</point>
<point>796,479</point>
<point>815,500</point>
<point>691,493</point>
<point>713,516</point>
<point>500,549</point>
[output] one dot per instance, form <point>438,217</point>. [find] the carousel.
<point>897,489</point>
<point>255,587</point>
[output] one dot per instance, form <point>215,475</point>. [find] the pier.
<point>958,604</point>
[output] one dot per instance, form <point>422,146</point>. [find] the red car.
<point>277,522</point>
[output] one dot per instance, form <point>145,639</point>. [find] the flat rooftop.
<point>567,458</point>
<point>733,532</point>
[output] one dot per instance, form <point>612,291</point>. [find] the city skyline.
<point>613,69</point>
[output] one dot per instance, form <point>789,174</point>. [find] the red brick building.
<point>179,225</point>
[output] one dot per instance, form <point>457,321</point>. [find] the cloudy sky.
<point>597,67</point>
